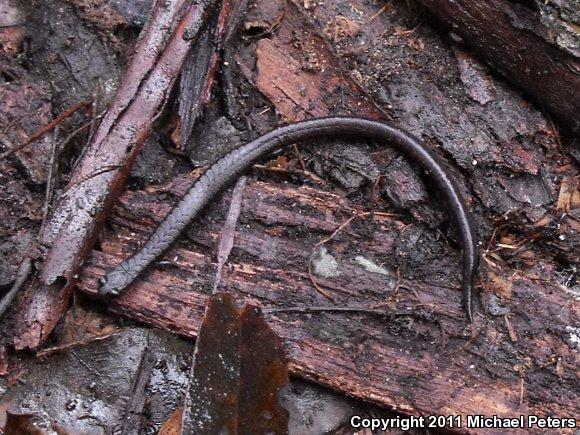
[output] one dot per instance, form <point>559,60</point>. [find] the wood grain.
<point>428,362</point>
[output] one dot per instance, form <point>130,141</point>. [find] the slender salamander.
<point>233,164</point>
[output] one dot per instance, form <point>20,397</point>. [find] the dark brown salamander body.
<point>232,165</point>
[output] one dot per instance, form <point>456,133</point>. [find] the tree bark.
<point>525,44</point>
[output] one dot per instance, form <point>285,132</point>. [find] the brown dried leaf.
<point>499,285</point>
<point>173,425</point>
<point>239,368</point>
<point>279,162</point>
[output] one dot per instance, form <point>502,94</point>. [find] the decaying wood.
<point>98,179</point>
<point>370,59</point>
<point>201,67</point>
<point>423,363</point>
<point>420,364</point>
<point>133,415</point>
<point>506,152</point>
<point>227,235</point>
<point>512,38</point>
<point>312,82</point>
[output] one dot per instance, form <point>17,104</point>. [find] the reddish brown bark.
<point>202,66</point>
<point>100,176</point>
<point>312,82</point>
<point>423,362</point>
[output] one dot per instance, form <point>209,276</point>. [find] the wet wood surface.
<point>420,359</point>
<point>393,250</point>
<point>522,42</point>
<point>71,229</point>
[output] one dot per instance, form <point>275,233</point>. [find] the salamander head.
<point>112,284</point>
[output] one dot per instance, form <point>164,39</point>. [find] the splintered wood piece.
<point>226,241</point>
<point>136,404</point>
<point>202,65</point>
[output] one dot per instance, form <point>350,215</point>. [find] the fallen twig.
<point>52,169</point>
<point>306,174</point>
<point>134,409</point>
<point>23,271</point>
<point>358,310</point>
<point>201,66</point>
<point>46,129</point>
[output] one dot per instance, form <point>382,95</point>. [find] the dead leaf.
<point>238,371</point>
<point>499,285</point>
<point>173,425</point>
<point>569,197</point>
